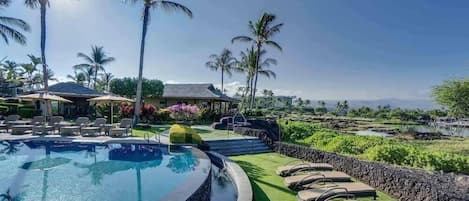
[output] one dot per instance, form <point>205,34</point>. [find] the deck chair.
<point>296,182</point>
<point>356,189</point>
<point>124,129</point>
<point>4,125</point>
<point>292,168</point>
<point>76,128</point>
<point>95,128</point>
<point>22,129</point>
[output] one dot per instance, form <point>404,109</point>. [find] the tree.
<point>8,25</point>
<point>224,63</point>
<point>262,32</point>
<point>96,62</point>
<point>12,70</point>
<point>247,64</point>
<point>107,78</point>
<point>29,69</point>
<point>78,77</point>
<point>42,4</point>
<point>454,95</point>
<point>147,5</point>
<point>126,87</point>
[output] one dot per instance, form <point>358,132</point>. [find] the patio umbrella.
<point>44,97</point>
<point>110,99</point>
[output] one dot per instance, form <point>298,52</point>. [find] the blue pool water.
<point>39,171</point>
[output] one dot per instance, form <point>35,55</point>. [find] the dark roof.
<point>71,89</point>
<point>195,91</point>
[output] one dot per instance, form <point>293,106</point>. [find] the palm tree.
<point>30,68</point>
<point>224,62</point>
<point>247,64</point>
<point>95,61</point>
<point>78,77</point>
<point>262,31</point>
<point>106,78</point>
<point>147,5</point>
<point>42,4</point>
<point>12,70</point>
<point>8,25</point>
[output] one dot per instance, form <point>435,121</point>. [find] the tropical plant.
<point>29,69</point>
<point>224,63</point>
<point>183,112</point>
<point>12,70</point>
<point>247,64</point>
<point>42,4</point>
<point>147,5</point>
<point>95,61</point>
<point>78,76</point>
<point>262,32</point>
<point>8,25</point>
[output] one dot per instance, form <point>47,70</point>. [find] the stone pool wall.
<point>405,184</point>
<point>203,193</point>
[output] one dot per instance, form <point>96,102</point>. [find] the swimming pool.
<point>53,171</point>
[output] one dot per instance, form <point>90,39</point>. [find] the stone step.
<point>237,153</point>
<point>234,141</point>
<point>231,147</point>
<point>225,146</point>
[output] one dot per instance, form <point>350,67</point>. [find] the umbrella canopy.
<point>110,99</point>
<point>44,96</point>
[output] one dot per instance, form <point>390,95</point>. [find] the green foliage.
<point>183,134</point>
<point>386,113</point>
<point>387,150</point>
<point>408,155</point>
<point>454,94</point>
<point>128,87</point>
<point>26,112</point>
<point>292,131</point>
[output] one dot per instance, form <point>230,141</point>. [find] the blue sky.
<point>333,49</point>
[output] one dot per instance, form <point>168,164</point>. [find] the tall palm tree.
<point>42,4</point>
<point>147,5</point>
<point>262,32</point>
<point>8,25</point>
<point>95,61</point>
<point>78,77</point>
<point>248,64</point>
<point>224,62</point>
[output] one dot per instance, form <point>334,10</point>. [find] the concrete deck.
<point>81,139</point>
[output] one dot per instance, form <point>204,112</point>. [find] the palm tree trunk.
<point>95,76</point>
<point>222,72</point>
<point>140,68</point>
<point>43,46</point>
<point>258,56</point>
<point>251,87</point>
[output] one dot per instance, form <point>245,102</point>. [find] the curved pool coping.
<point>238,176</point>
<point>197,185</point>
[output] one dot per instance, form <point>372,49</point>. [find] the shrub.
<point>147,111</point>
<point>292,131</point>
<point>183,112</point>
<point>183,134</point>
<point>126,110</point>
<point>26,112</point>
<point>162,115</point>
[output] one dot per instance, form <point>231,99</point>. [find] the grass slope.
<point>266,185</point>
<point>140,132</point>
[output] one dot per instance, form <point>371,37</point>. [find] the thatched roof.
<point>71,89</point>
<point>194,91</point>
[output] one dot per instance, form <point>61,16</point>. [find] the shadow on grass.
<point>255,172</point>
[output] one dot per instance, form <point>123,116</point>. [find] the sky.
<point>332,49</point>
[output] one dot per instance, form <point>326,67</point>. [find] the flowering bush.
<point>183,112</point>
<point>126,110</point>
<point>147,111</point>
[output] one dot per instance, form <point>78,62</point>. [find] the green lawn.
<point>266,185</point>
<point>140,132</point>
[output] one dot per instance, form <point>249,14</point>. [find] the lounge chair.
<point>22,129</point>
<point>76,128</point>
<point>5,125</point>
<point>357,189</point>
<point>95,128</point>
<point>296,182</point>
<point>45,128</point>
<point>288,169</point>
<point>124,129</point>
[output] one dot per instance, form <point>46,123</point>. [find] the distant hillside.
<point>394,103</point>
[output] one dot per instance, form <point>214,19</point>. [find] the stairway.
<point>233,147</point>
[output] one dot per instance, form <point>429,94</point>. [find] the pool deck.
<point>82,139</point>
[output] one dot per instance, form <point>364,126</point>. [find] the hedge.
<point>183,134</point>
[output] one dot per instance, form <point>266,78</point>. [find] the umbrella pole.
<point>112,113</point>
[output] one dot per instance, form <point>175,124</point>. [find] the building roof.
<point>71,89</point>
<point>194,91</point>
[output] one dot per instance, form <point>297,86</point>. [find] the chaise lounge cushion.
<point>355,188</point>
<point>296,181</point>
<point>287,170</point>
